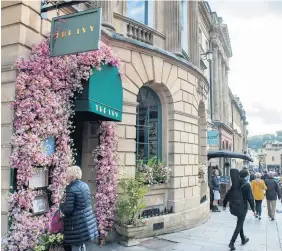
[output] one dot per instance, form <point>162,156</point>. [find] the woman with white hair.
<point>80,224</point>
<point>258,187</point>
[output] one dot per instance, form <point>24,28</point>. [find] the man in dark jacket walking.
<point>272,193</point>
<point>240,182</point>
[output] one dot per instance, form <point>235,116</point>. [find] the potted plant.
<point>129,205</point>
<point>50,242</point>
<point>154,170</point>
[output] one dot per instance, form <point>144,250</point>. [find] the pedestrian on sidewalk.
<point>258,188</point>
<point>216,190</point>
<point>80,224</point>
<point>272,193</point>
<point>238,196</point>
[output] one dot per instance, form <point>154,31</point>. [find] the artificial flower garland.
<point>43,107</point>
<point>105,161</point>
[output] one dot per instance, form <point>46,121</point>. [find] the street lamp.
<point>207,56</point>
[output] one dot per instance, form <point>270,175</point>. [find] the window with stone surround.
<point>148,125</point>
<point>141,11</point>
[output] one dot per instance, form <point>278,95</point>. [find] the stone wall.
<point>174,82</point>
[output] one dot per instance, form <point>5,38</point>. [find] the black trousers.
<point>258,207</point>
<point>239,228</point>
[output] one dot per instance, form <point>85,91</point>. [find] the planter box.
<point>129,234</point>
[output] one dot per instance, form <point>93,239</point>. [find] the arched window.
<point>148,125</point>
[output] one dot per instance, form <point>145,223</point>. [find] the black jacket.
<point>245,187</point>
<point>215,183</point>
<point>80,224</point>
<point>273,190</point>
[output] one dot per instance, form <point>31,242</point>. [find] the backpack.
<point>236,202</point>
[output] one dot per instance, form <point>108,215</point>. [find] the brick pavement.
<point>214,235</point>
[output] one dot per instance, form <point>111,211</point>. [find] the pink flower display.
<point>105,161</point>
<point>43,107</point>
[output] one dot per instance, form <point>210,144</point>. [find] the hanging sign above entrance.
<point>74,33</point>
<point>102,96</point>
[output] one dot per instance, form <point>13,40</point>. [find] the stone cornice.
<point>115,39</point>
<point>205,16</point>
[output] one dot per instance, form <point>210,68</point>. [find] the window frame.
<point>184,27</point>
<point>159,125</point>
<point>149,8</point>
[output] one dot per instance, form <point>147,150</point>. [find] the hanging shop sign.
<point>102,96</point>
<point>74,33</point>
<point>213,138</point>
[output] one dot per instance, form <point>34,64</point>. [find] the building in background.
<point>158,43</point>
<point>227,125</point>
<point>271,156</point>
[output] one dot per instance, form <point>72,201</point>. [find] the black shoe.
<point>245,241</point>
<point>231,246</point>
<point>215,209</point>
<point>272,219</point>
<point>259,218</point>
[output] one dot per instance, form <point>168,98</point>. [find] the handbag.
<point>57,223</point>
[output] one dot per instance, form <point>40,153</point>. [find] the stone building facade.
<point>163,59</point>
<point>227,116</point>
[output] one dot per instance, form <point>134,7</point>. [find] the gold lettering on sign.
<point>68,33</point>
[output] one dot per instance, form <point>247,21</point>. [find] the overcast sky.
<point>255,30</point>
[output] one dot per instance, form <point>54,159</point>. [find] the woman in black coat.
<point>80,224</point>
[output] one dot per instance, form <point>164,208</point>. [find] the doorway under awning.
<point>102,96</point>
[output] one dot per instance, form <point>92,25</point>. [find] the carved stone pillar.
<point>220,110</point>
<point>107,12</point>
<point>215,85</point>
<point>226,97</point>
<point>172,10</point>
<point>223,91</point>
<point>194,33</point>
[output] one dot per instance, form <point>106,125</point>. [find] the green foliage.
<point>46,241</point>
<point>132,201</point>
<point>256,142</point>
<point>155,171</point>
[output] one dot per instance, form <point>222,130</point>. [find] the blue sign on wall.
<point>213,138</point>
<point>49,145</point>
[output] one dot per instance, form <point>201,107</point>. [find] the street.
<point>215,235</point>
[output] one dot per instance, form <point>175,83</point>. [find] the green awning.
<point>102,96</point>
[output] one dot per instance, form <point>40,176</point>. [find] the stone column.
<point>223,91</point>
<point>226,96</point>
<point>107,12</point>
<point>172,9</point>
<point>193,33</point>
<point>215,85</point>
<point>220,110</point>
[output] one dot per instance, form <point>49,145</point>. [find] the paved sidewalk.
<point>214,235</point>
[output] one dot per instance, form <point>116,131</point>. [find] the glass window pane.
<point>147,123</point>
<point>150,11</point>
<point>184,21</point>
<point>136,10</point>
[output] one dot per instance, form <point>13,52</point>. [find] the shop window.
<point>141,11</point>
<point>184,23</point>
<point>148,125</point>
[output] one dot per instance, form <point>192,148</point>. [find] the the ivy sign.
<point>74,33</point>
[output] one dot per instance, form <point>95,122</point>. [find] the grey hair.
<point>75,172</point>
<point>258,175</point>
